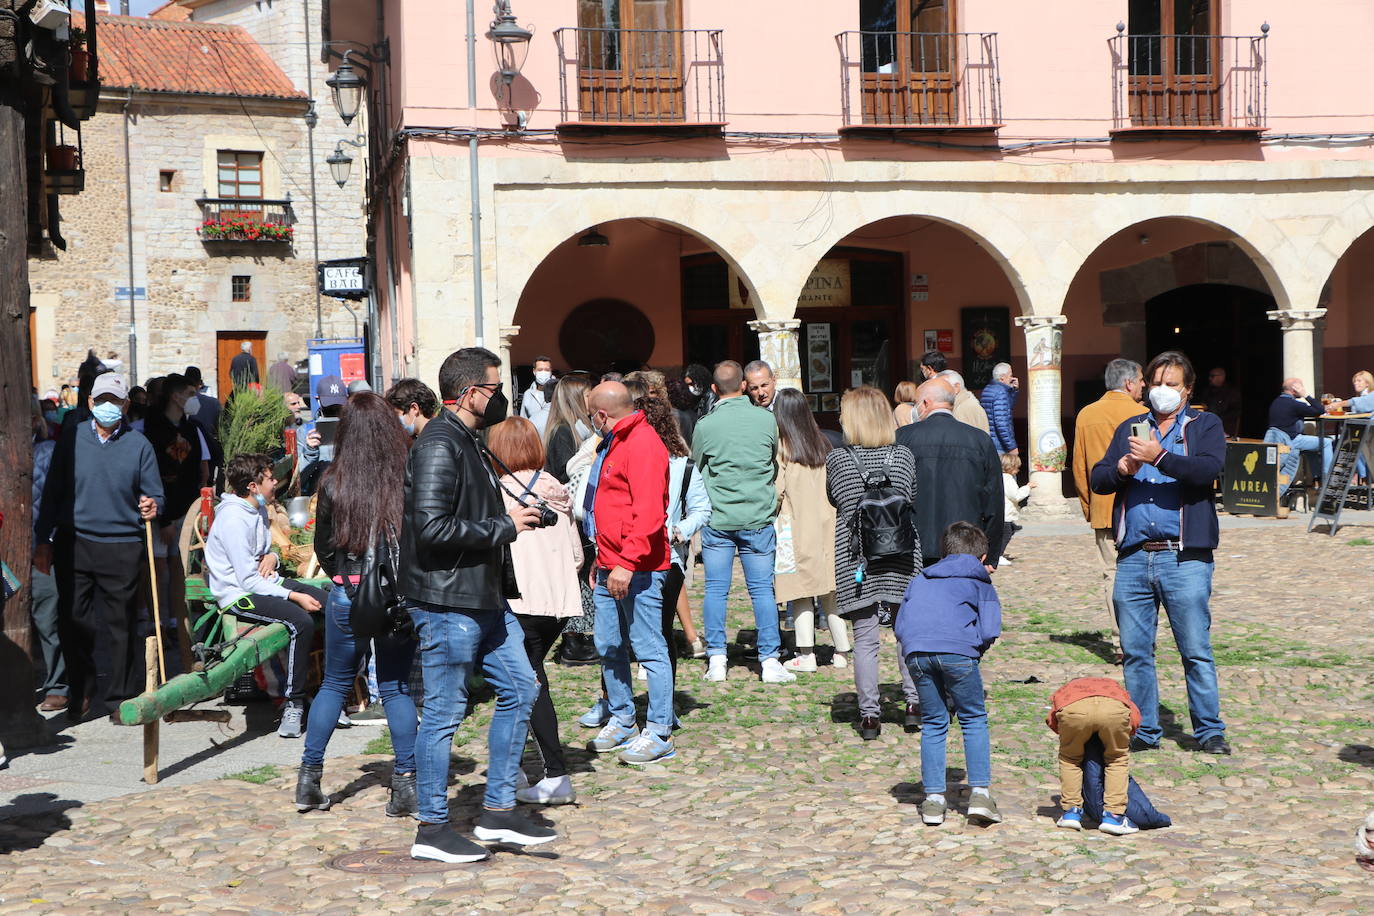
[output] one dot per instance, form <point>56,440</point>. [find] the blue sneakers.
<point>1116,824</point>
<point>648,748</point>
<point>614,737</point>
<point>597,716</point>
<point>1072,819</point>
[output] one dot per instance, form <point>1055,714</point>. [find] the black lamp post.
<point>347,87</point>
<point>340,163</point>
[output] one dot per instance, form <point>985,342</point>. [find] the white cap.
<point>110,383</point>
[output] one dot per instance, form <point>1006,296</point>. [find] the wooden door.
<point>229,344</point>
<point>630,65</point>
<point>1173,61</point>
<point>909,72</point>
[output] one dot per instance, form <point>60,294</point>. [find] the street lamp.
<point>340,163</point>
<point>512,42</point>
<point>347,88</point>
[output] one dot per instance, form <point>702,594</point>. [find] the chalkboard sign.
<point>1251,479</point>
<point>1336,487</point>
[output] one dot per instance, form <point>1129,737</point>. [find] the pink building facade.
<point>841,186</point>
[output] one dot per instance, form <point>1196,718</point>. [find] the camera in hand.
<point>547,517</point>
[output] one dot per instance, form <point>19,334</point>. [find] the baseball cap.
<point>330,391</point>
<point>358,385</point>
<point>110,383</point>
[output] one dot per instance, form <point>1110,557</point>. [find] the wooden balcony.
<point>922,81</point>
<point>1189,85</point>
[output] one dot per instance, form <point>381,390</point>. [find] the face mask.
<point>543,377</point>
<point>261,500</point>
<point>696,390</point>
<point>107,415</point>
<point>1164,400</point>
<point>495,411</point>
<point>192,405</point>
<point>408,427</point>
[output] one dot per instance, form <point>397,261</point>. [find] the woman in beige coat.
<point>805,511</point>
<point>546,562</point>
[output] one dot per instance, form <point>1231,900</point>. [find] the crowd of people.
<point>572,529</point>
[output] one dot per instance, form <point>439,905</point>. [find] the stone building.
<point>848,188</point>
<point>197,123</point>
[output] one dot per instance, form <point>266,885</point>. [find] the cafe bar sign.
<point>828,286</point>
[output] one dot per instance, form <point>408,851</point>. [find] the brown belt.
<point>1156,546</point>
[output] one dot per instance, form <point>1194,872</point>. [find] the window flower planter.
<point>244,229</point>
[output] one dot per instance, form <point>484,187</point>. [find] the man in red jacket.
<point>627,516</point>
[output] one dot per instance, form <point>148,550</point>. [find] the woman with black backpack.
<point>871,483</point>
<point>360,497</point>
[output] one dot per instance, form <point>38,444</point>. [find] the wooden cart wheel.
<point>194,531</point>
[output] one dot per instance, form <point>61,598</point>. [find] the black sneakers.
<point>444,844</point>
<point>509,827</point>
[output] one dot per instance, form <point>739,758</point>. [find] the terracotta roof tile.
<point>196,58</point>
<point>171,11</point>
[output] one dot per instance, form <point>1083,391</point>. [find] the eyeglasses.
<point>494,386</point>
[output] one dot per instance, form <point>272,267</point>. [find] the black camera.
<point>547,517</point>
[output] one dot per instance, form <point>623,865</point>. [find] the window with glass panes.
<point>240,177</point>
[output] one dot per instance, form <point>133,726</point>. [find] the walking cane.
<point>157,613</point>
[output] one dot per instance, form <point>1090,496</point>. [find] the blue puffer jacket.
<point>997,399</point>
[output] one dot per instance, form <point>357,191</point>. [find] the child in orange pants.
<point>1082,708</point>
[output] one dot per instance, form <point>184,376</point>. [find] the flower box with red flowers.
<point>244,229</point>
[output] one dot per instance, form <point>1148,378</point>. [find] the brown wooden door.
<point>911,80</point>
<point>1174,62</point>
<point>229,344</point>
<point>630,65</point>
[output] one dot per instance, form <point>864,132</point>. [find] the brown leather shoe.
<point>52,703</point>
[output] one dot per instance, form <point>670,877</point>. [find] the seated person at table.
<point>1361,402</point>
<point>1286,414</point>
<point>242,573</point>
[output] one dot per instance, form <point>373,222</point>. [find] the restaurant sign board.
<point>1251,478</point>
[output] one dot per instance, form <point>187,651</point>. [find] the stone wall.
<point>187,280</point>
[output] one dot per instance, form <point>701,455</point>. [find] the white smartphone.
<point>1141,430</point>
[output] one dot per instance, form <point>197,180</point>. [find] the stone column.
<point>1045,454</point>
<point>778,348</point>
<point>1299,338</point>
<point>507,334</point>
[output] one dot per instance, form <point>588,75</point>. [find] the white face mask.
<point>1165,400</point>
<point>192,406</point>
<point>543,376</point>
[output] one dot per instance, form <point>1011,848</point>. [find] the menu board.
<point>819,363</point>
<point>1250,481</point>
<point>987,342</point>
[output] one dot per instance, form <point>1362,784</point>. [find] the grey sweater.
<point>93,487</point>
<point>238,540</point>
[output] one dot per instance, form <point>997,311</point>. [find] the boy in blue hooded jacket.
<point>948,619</point>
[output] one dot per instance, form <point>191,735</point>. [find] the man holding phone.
<point>1093,431</point>
<point>1163,467</point>
<point>315,450</point>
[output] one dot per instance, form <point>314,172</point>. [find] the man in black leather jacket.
<point>454,559</point>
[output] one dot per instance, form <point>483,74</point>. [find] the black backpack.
<point>883,523</point>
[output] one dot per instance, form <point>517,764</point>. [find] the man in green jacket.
<point>735,449</point>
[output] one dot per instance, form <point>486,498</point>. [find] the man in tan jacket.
<point>1093,431</point>
<point>966,406</point>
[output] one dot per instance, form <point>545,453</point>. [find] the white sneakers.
<point>715,669</point>
<point>841,660</point>
<point>805,663</point>
<point>556,790</point>
<point>775,673</point>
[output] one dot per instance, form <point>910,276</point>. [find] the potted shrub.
<point>79,70</point>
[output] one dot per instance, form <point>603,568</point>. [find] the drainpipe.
<point>314,195</point>
<point>473,182</point>
<point>129,231</point>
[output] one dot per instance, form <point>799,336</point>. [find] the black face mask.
<point>496,409</point>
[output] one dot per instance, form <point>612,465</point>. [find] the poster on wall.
<point>986,335</point>
<point>819,376</point>
<point>941,339</point>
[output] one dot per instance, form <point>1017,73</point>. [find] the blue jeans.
<point>639,617</point>
<point>1306,443</point>
<point>1182,582</point>
<point>342,653</point>
<point>453,641</point>
<point>755,547</point>
<point>937,674</point>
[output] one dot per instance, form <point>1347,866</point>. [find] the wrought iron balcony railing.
<point>641,76</point>
<point>239,219</point>
<point>920,79</point>
<point>1189,82</point>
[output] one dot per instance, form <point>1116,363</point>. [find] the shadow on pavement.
<point>258,719</point>
<point>1168,723</point>
<point>1361,754</point>
<point>1092,640</point>
<point>28,820</point>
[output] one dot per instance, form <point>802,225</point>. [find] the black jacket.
<point>455,529</point>
<point>1286,413</point>
<point>333,561</point>
<point>958,478</point>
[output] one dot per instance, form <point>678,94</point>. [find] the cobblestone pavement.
<point>774,804</point>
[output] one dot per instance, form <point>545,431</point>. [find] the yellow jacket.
<point>1093,431</point>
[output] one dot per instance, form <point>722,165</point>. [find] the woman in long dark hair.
<point>566,427</point>
<point>806,526</point>
<point>360,495</point>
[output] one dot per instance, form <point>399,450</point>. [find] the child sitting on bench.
<point>242,573</point>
